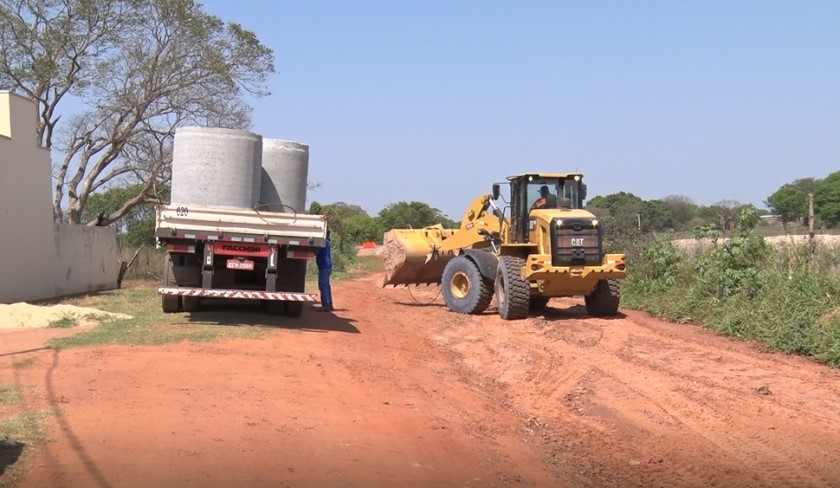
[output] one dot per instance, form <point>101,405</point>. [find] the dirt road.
<point>388,392</point>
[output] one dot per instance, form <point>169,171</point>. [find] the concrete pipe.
<point>216,167</point>
<point>285,169</point>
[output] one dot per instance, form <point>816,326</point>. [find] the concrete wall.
<point>87,259</point>
<point>38,258</point>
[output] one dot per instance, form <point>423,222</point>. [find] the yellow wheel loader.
<point>545,246</point>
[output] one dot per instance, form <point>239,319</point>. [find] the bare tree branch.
<point>142,68</point>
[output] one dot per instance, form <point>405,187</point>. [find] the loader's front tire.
<point>604,300</point>
<point>463,287</point>
<point>513,296</point>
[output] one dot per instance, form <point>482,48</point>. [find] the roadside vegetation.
<point>783,295</point>
<point>20,430</point>
<point>10,394</point>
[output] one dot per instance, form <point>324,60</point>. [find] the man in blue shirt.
<point>323,259</point>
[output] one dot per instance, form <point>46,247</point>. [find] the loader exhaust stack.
<point>413,256</point>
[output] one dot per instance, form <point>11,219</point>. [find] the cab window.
<point>549,193</point>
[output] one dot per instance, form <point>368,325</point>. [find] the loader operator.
<point>546,200</point>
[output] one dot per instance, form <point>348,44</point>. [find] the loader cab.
<point>541,191</point>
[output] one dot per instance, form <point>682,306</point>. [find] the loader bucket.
<point>412,256</point>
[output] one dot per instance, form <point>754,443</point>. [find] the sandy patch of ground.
<point>18,315</point>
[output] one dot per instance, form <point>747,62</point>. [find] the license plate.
<point>577,241</point>
<point>245,264</point>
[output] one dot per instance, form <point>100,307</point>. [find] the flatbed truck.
<point>236,254</point>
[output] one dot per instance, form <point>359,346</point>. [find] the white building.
<point>39,258</point>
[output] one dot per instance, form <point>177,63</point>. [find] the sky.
<point>436,100</point>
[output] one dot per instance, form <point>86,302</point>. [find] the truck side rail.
<point>216,223</point>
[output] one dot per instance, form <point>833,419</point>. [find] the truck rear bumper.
<point>238,294</point>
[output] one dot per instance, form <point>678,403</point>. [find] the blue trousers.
<point>324,287</point>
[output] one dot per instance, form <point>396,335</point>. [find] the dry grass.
<point>10,394</point>
<point>28,429</point>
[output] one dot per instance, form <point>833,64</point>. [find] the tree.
<point>362,228</point>
<point>340,220</point>
<point>683,210</point>
<point>597,202</point>
<point>725,211</point>
<point>619,214</point>
<point>136,227</point>
<point>337,213</point>
<point>790,203</point>
<point>413,215</point>
<point>623,210</point>
<point>807,185</point>
<point>827,199</point>
<point>656,216</point>
<point>315,208</point>
<point>617,201</point>
<point>142,68</point>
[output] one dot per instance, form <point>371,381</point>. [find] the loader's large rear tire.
<point>169,303</point>
<point>463,287</point>
<point>513,296</point>
<point>603,302</point>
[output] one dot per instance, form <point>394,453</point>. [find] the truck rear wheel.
<point>276,307</point>
<point>169,303</point>
<point>463,287</point>
<point>604,300</point>
<point>294,309</point>
<point>190,304</point>
<point>513,296</point>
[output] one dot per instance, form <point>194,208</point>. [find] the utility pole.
<point>639,216</point>
<point>811,244</point>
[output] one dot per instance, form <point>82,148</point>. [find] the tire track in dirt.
<point>759,448</point>
<point>736,375</point>
<point>777,464</point>
<point>635,388</point>
<point>605,372</point>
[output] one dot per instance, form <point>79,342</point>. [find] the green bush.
<point>783,296</point>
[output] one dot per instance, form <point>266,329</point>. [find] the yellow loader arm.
<point>418,256</point>
<point>478,218</point>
